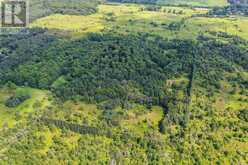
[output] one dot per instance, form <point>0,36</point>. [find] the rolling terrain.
<point>125,83</point>
<point>170,22</point>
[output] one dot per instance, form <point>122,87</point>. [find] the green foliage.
<point>152,8</point>
<point>200,3</point>
<point>41,8</point>
<point>135,1</point>
<point>230,10</point>
<point>153,100</point>
<point>243,115</point>
<point>19,97</point>
<point>112,67</point>
<point>203,3</point>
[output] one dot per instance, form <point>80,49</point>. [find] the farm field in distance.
<point>126,18</point>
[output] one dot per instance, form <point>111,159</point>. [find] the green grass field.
<point>129,18</point>
<point>75,25</point>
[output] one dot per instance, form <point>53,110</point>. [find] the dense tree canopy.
<point>103,67</point>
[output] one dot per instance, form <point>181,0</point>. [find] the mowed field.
<point>132,18</point>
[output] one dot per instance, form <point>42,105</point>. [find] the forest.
<point>107,67</point>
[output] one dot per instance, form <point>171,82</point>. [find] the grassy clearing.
<point>82,113</point>
<point>234,26</point>
<point>75,25</point>
<point>139,119</point>
<point>10,116</point>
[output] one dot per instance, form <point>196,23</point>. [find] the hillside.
<point>125,84</point>
<point>170,22</point>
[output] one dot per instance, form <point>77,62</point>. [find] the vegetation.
<point>128,84</point>
<point>199,3</point>
<point>17,99</point>
<point>170,22</point>
<point>231,10</point>
<point>76,25</point>
<point>41,8</point>
<point>236,7</point>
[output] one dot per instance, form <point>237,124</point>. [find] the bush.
<point>17,99</point>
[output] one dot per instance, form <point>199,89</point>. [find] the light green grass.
<point>130,18</point>
<point>11,116</point>
<point>140,119</point>
<point>122,13</point>
<point>75,25</point>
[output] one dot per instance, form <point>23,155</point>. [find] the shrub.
<point>17,99</point>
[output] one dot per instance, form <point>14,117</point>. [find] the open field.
<point>76,25</point>
<point>130,18</point>
<point>122,18</point>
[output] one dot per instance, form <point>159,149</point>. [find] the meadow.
<point>168,22</point>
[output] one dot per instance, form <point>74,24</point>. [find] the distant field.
<point>206,3</point>
<point>75,25</point>
<point>130,18</point>
<point>125,18</point>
